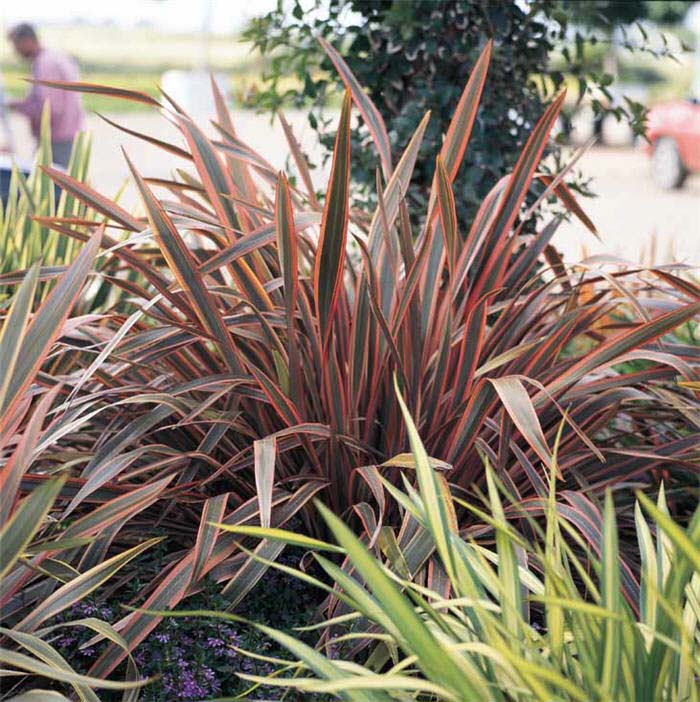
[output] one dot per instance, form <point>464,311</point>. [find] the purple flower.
<point>190,687</point>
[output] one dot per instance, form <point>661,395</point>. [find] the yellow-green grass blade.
<point>41,669</point>
<point>460,676</point>
<point>510,586</point>
<point>392,683</point>
<point>439,510</point>
<point>46,653</point>
<point>649,570</point>
<point>39,696</point>
<point>684,563</point>
<point>27,519</point>
<point>354,592</point>
<point>286,537</point>
<point>611,655</point>
<point>81,586</point>
<point>14,326</point>
<point>46,324</point>
<point>682,540</point>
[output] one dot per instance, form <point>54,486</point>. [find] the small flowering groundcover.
<point>195,658</point>
<point>192,659</point>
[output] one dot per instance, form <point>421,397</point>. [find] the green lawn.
<point>136,59</point>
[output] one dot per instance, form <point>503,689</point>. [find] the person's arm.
<point>32,105</point>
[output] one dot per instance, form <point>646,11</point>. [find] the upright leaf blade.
<point>448,214</point>
<point>328,269</point>
<point>14,326</point>
<point>370,114</point>
<point>288,257</point>
<point>460,128</point>
<point>47,323</point>
<point>265,452</point>
<point>186,270</point>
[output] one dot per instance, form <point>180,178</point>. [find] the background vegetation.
<point>414,57</point>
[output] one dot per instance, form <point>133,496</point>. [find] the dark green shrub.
<point>413,57</point>
<point>416,56</point>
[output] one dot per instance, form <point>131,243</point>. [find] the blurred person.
<point>66,108</point>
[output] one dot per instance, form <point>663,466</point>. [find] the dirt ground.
<point>633,216</point>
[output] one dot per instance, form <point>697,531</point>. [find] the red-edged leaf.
<point>370,114</point>
<point>448,214</point>
<point>93,199</point>
<point>300,160</point>
<point>623,343</point>
<point>460,128</point>
<point>239,170</point>
<point>521,410</point>
<point>166,146</point>
<point>136,626</point>
<point>563,192</point>
<point>287,250</point>
<point>328,269</point>
<point>185,268</point>
<point>118,509</point>
<point>20,460</point>
<point>97,89</point>
<point>255,240</point>
<point>212,514</point>
<point>497,244</point>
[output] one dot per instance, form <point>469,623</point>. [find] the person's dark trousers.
<point>60,151</point>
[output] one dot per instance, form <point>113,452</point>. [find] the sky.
<point>170,15</point>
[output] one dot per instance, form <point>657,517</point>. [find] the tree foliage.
<point>415,56</point>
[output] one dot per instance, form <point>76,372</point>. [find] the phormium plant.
<point>248,363</point>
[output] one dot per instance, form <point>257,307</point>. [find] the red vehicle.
<point>674,135</point>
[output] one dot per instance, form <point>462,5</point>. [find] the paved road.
<point>629,212</point>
